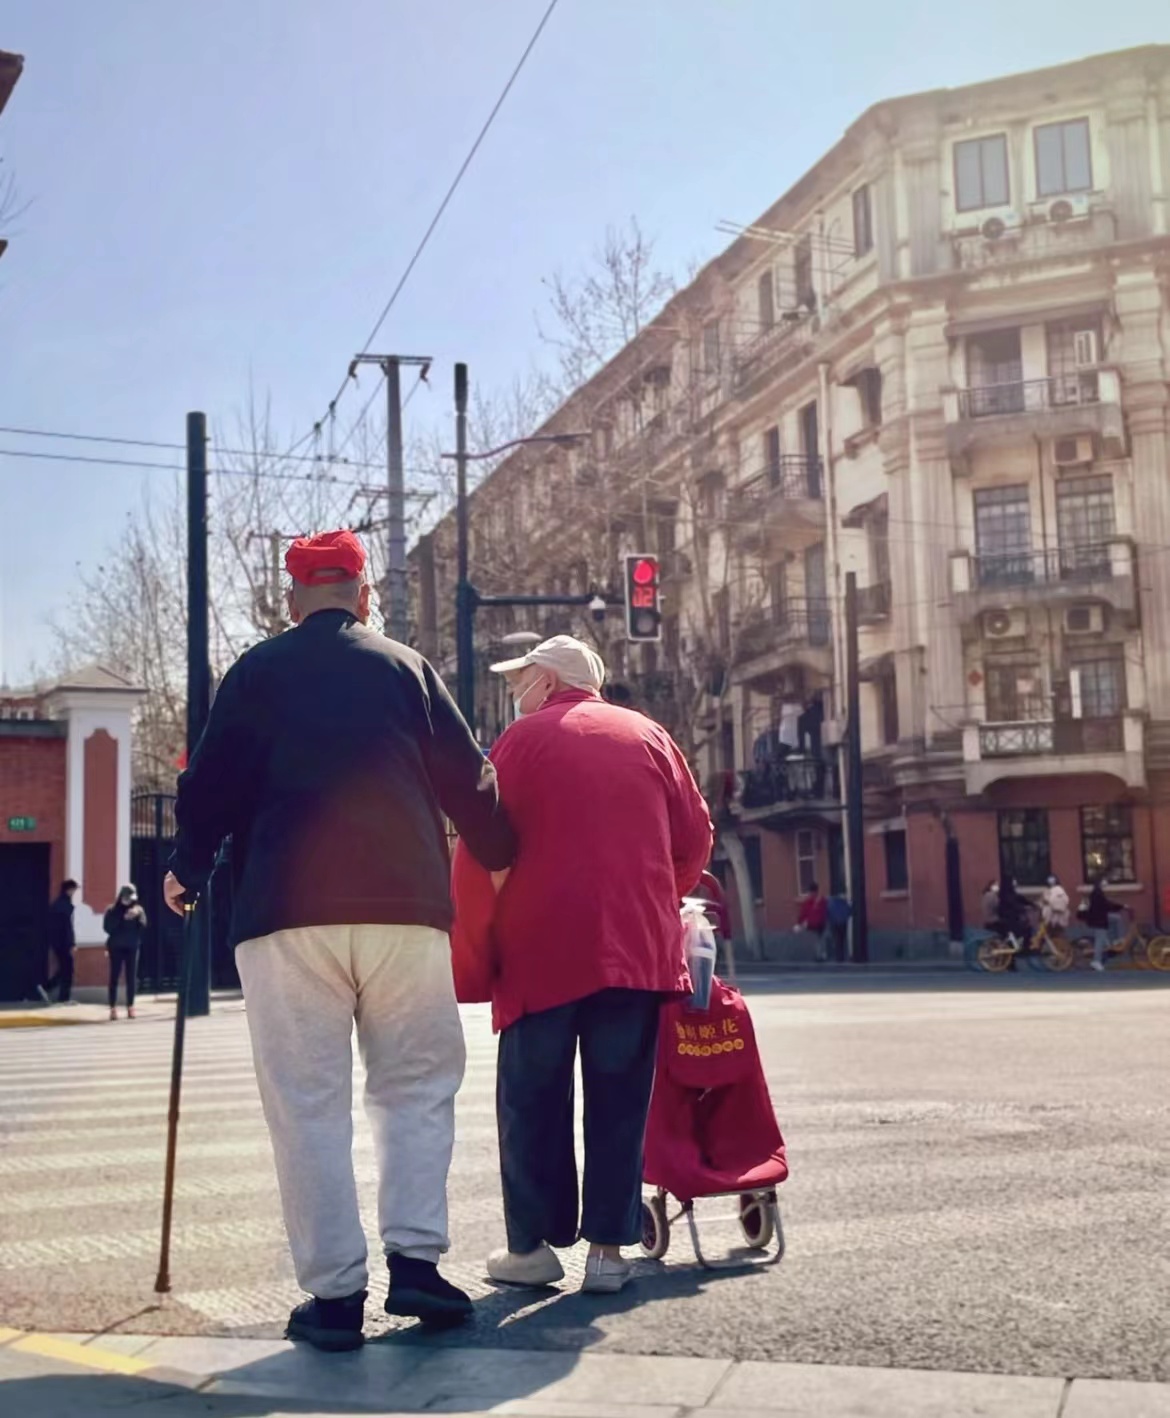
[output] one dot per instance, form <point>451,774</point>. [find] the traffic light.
<point>643,616</point>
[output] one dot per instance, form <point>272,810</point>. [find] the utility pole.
<point>859,921</point>
<point>464,595</point>
<point>397,617</point>
<point>196,938</point>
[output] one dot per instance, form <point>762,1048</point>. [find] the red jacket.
<point>612,831</point>
<point>814,913</point>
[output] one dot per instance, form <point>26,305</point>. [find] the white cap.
<point>577,664</point>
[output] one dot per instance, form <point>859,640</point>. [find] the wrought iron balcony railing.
<point>1028,396</point>
<point>1028,738</point>
<point>792,475</point>
<point>798,778</point>
<point>1087,562</point>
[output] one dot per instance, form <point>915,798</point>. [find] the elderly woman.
<point>577,953</point>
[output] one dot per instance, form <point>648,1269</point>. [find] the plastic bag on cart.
<point>699,949</point>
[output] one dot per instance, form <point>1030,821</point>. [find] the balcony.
<point>1038,240</point>
<point>759,358</point>
<point>1100,572</point>
<point>786,495</point>
<point>799,631</point>
<point>1048,748</point>
<point>799,785</point>
<point>873,603</point>
<point>1084,401</point>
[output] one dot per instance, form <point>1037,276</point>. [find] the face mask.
<point>518,700</point>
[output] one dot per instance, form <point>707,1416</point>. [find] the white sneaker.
<point>536,1268</point>
<point>1097,964</point>
<point>604,1276</point>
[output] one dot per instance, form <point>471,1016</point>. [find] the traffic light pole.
<point>196,998</point>
<point>465,597</point>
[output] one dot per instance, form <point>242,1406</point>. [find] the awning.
<point>1013,318</point>
<point>876,507</point>
<point>877,667</point>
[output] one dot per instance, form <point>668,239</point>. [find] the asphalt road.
<point>979,1182</point>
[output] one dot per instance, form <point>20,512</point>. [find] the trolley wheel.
<point>1158,952</point>
<point>993,954</point>
<point>655,1228</point>
<point>757,1219</point>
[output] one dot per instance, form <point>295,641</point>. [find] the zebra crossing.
<point>82,1146</point>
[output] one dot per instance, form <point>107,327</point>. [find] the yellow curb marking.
<point>69,1352</point>
<point>7,1334</point>
<point>28,1021</point>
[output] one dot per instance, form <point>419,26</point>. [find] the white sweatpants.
<point>303,990</point>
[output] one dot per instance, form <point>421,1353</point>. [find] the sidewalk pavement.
<point>43,1376</point>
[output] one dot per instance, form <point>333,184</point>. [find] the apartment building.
<point>940,361</point>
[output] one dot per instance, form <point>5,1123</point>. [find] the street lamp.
<point>465,596</point>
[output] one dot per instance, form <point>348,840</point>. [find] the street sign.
<point>22,824</point>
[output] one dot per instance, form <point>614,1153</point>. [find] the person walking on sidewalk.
<point>330,757</point>
<point>125,925</point>
<point>61,945</point>
<point>814,917</point>
<point>577,953</point>
<point>1096,916</point>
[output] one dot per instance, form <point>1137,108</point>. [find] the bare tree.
<point>599,310</point>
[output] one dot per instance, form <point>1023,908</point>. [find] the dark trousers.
<point>617,1031</point>
<point>63,979</point>
<point>123,960</point>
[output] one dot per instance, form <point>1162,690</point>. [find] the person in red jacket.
<point>814,917</point>
<point>577,952</point>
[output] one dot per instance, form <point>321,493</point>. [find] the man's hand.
<point>173,890</point>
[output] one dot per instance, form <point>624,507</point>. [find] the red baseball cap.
<point>326,558</point>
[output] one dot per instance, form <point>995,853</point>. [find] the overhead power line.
<point>438,216</point>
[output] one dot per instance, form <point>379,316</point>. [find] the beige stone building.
<point>939,361</point>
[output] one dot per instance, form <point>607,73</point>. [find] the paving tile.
<point>796,1390</point>
<point>129,1344</point>
<point>493,1377</point>
<point>1104,1398</point>
<point>372,1377</point>
<point>206,1355</point>
<point>548,1408</point>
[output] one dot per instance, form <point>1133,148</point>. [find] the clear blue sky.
<point>227,190</point>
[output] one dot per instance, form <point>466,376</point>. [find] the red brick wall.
<point>99,882</point>
<point>32,784</point>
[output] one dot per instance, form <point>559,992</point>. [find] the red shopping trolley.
<point>712,1130</point>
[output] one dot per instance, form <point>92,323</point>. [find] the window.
<point>1014,693</point>
<point>1073,352</point>
<point>995,374</point>
<point>778,582</point>
<point>1107,843</point>
<point>711,347</point>
<point>1063,160</point>
<point>897,865</point>
<point>869,390</point>
<point>711,496</point>
<point>806,860</point>
<point>772,456</point>
<point>1100,679</point>
<point>1003,535</point>
<point>1085,524</point>
<point>766,301</point>
<point>862,221</point>
<point>1023,845</point>
<point>878,532</point>
<point>755,864</point>
<point>802,273</point>
<point>721,603</point>
<point>671,644</point>
<point>887,687</point>
<point>981,173</point>
<point>810,444</point>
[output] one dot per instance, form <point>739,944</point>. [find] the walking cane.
<point>162,1282</point>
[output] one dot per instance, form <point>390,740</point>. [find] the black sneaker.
<point>332,1325</point>
<point>418,1291</point>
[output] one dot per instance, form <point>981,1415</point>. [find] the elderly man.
<point>577,953</point>
<point>330,757</point>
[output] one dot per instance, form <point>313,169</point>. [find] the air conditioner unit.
<point>1085,349</point>
<point>1072,451</point>
<point>1084,620</point>
<point>1067,209</point>
<point>1004,625</point>
<point>997,227</point>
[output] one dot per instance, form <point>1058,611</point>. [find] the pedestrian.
<point>330,757</point>
<point>837,914</point>
<point>814,916</point>
<point>1014,917</point>
<point>61,944</point>
<point>577,952</point>
<point>991,906</point>
<point>1054,906</point>
<point>125,925</point>
<point>1096,916</point>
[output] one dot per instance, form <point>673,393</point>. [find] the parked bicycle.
<point>1044,948</point>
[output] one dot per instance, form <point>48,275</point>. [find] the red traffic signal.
<point>643,614</point>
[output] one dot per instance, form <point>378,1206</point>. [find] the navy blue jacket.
<point>330,758</point>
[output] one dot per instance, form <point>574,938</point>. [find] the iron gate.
<point>152,839</point>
